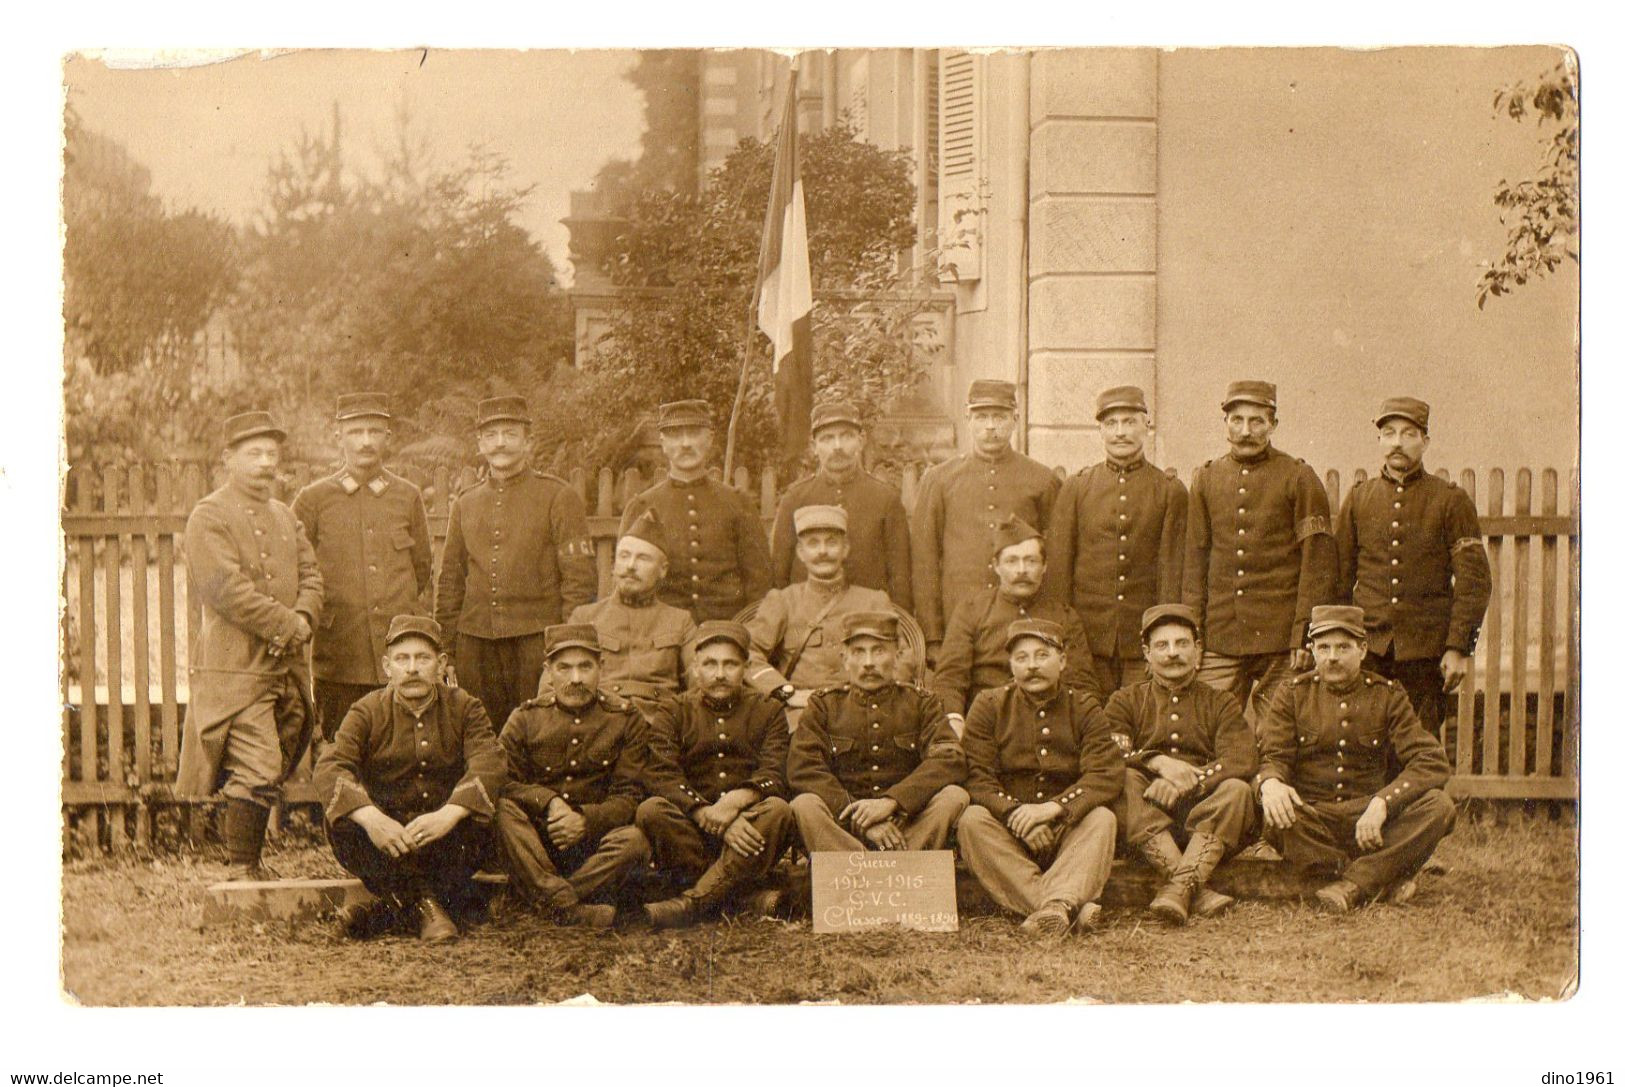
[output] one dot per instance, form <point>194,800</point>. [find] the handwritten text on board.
<point>906,889</point>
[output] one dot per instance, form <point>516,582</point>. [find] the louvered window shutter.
<point>961,79</point>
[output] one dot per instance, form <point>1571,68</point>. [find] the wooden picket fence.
<point>127,617</point>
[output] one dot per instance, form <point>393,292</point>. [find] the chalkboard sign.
<point>877,889</point>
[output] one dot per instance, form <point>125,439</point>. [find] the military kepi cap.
<point>359,405</point>
<point>252,424</point>
<point>415,626</point>
<point>1328,617</point>
<point>562,636</point>
<point>869,624</point>
<point>503,409</point>
<point>808,518</point>
<point>725,630</point>
<point>1131,397</point>
<point>991,394</point>
<point>649,529</point>
<point>1261,393</point>
<point>684,413</point>
<point>1154,617</point>
<point>1405,407</point>
<point>835,411</point>
<point>1045,630</point>
<point>1011,531</point>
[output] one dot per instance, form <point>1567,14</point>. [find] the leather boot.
<point>1209,851</point>
<point>1162,854</point>
<point>1173,902</point>
<point>698,901</point>
<point>1341,896</point>
<point>434,923</point>
<point>587,915</point>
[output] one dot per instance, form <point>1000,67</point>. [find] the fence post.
<point>1467,693</point>
<point>1492,632</point>
<point>1546,661</point>
<point>140,650</point>
<point>91,818</point>
<point>113,561</point>
<point>1334,483</point>
<point>1571,640</point>
<point>1517,735</point>
<point>168,633</point>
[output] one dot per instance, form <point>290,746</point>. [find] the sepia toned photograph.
<point>859,526</point>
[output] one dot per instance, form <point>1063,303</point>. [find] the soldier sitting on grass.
<point>1330,800</point>
<point>409,787</point>
<point>1044,771</point>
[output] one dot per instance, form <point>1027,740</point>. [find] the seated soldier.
<point>973,656</point>
<point>575,763</point>
<point>874,763</point>
<point>409,786</point>
<point>1190,756</point>
<point>715,816</point>
<point>640,637</point>
<point>1043,771</point>
<point>795,633</point>
<point>1325,749</point>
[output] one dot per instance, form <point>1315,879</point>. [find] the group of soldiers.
<point>1107,660</point>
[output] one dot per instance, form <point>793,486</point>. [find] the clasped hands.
<point>397,840</point>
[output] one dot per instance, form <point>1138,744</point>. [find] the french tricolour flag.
<point>784,309</point>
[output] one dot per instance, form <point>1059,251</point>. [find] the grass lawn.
<point>1502,919</point>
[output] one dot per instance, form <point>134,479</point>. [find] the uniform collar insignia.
<point>377,484</point>
<point>1406,478</point>
<point>1136,463</point>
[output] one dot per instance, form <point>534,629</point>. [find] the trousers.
<point>443,870</point>
<point>1074,873</point>
<point>1322,836</point>
<point>1115,673</point>
<point>686,853</point>
<point>1423,685</point>
<point>500,672</point>
<point>928,829</point>
<point>547,875</point>
<point>252,759</point>
<point>1228,813</point>
<point>1253,679</point>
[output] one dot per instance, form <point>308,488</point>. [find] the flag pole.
<point>749,335</point>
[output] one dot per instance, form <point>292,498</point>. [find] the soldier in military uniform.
<point>973,656</point>
<point>877,525</point>
<point>1043,771</point>
<point>716,815</point>
<point>517,560</point>
<point>1325,779</point>
<point>641,638</point>
<point>371,537</point>
<point>409,787</point>
<point>1190,760</point>
<point>251,568</point>
<point>1411,554</point>
<point>1259,553</point>
<point>961,502</point>
<point>719,558</point>
<point>795,633</point>
<point>874,763</point>
<point>1116,539</point>
<point>575,767</point>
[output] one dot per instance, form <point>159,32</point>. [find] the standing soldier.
<point>961,502</point>
<point>719,559</point>
<point>973,655</point>
<point>1327,753</point>
<point>575,767</point>
<point>640,638</point>
<point>371,537</point>
<point>874,763</point>
<point>1411,554</point>
<point>517,559</point>
<point>250,717</point>
<point>1117,539</point>
<point>1190,759</point>
<point>1259,553</point>
<point>1043,773</point>
<point>876,524</point>
<point>716,817</point>
<point>795,633</point>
